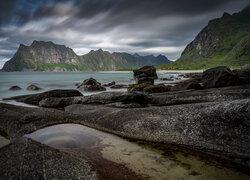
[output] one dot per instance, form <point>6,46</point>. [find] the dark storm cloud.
<point>144,26</point>
<point>6,8</point>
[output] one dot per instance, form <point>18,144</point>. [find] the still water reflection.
<point>145,160</point>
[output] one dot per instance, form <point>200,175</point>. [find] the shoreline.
<point>79,72</point>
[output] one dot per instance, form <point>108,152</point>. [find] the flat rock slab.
<point>28,159</point>
<point>221,128</point>
<point>36,98</point>
<point>198,96</point>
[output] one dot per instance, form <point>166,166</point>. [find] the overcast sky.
<point>142,26</point>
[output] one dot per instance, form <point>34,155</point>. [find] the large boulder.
<point>220,76</point>
<point>91,85</point>
<point>187,84</point>
<point>33,87</point>
<point>14,88</point>
<point>36,98</point>
<point>145,75</point>
<point>243,76</point>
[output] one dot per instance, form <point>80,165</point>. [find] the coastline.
<point>76,72</point>
<point>200,118</point>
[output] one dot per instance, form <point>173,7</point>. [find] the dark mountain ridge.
<point>48,56</point>
<point>224,41</point>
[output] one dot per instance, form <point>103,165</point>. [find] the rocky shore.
<point>209,113</point>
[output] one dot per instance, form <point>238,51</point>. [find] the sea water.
<point>61,80</point>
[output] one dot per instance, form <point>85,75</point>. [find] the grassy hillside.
<point>224,41</point>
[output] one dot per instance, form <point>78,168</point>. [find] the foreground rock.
<point>28,159</point>
<point>36,98</point>
<point>188,84</point>
<point>33,87</point>
<point>191,75</point>
<point>14,88</point>
<point>111,98</point>
<point>157,88</point>
<point>220,76</point>
<point>243,75</point>
<point>145,75</point>
<point>216,128</point>
<point>197,96</point>
<point>91,85</point>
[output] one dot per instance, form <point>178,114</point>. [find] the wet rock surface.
<point>36,98</point>
<point>14,88</point>
<point>187,84</point>
<point>28,159</point>
<point>216,77</point>
<point>199,113</point>
<point>139,98</point>
<point>216,127</point>
<point>33,87</point>
<point>157,88</point>
<point>197,96</point>
<point>90,85</point>
<point>220,76</point>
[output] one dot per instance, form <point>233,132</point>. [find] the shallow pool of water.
<point>146,160</point>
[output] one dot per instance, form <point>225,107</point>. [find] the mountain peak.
<point>136,55</point>
<point>42,43</point>
<point>213,40</point>
<point>46,56</point>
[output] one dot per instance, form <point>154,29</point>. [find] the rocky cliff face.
<point>38,55</point>
<point>47,56</point>
<point>224,41</point>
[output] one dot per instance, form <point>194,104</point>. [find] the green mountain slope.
<point>224,41</point>
<point>47,56</point>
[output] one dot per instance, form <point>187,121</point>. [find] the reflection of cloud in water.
<point>144,160</point>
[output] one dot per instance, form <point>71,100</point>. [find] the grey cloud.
<point>6,8</point>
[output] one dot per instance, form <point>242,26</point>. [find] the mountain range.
<point>224,41</point>
<point>48,56</point>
